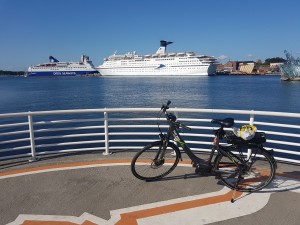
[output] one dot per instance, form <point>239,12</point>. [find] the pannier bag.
<point>247,132</point>
<point>233,138</point>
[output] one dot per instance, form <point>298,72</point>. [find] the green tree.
<point>20,73</point>
<point>274,60</point>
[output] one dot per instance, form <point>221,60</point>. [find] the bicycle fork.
<point>160,156</point>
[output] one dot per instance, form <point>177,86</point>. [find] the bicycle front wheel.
<point>152,163</point>
<point>250,174</point>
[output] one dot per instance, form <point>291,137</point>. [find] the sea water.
<point>261,93</point>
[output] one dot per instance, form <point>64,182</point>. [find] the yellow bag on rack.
<point>247,132</point>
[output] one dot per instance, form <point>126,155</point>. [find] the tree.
<point>274,60</point>
<point>20,73</point>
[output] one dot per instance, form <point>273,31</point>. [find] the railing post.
<point>251,122</point>
<point>106,137</point>
<point>32,141</point>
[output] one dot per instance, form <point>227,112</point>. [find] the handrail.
<point>112,129</point>
<point>191,110</point>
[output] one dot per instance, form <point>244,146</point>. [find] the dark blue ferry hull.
<point>62,73</point>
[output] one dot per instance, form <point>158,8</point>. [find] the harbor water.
<point>262,93</point>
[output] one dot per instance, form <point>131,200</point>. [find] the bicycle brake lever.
<point>184,127</point>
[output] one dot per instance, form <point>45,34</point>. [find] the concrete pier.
<point>90,188</point>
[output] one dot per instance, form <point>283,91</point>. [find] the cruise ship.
<point>57,68</point>
<point>160,63</point>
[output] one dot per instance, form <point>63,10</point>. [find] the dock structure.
<point>90,189</point>
<point>69,167</point>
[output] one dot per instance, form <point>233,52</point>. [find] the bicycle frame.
<point>174,134</point>
<point>198,162</point>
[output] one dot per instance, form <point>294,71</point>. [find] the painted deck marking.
<point>125,218</point>
<point>132,217</point>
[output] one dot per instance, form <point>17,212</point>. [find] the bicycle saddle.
<point>228,122</point>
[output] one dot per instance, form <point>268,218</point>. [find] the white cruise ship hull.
<point>203,70</point>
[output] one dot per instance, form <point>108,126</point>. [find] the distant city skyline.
<point>32,30</point>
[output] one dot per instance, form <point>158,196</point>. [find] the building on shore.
<point>236,67</point>
<point>248,67</point>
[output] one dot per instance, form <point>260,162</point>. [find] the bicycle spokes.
<point>153,163</point>
<point>251,175</point>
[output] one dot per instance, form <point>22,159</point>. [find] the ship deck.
<point>91,188</point>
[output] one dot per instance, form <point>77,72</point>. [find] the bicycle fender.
<point>270,153</point>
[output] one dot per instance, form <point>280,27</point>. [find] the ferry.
<point>57,68</point>
<point>159,64</point>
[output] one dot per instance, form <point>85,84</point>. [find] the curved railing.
<point>31,134</point>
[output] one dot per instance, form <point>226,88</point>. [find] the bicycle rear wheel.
<point>149,163</point>
<point>251,174</point>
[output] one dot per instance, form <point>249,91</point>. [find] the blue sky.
<point>31,30</point>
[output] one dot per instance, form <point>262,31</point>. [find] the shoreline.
<point>99,75</point>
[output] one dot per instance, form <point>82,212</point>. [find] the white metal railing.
<point>30,134</point>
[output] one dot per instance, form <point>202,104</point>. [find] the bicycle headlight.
<point>172,117</point>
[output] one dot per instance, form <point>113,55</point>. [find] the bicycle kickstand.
<point>235,187</point>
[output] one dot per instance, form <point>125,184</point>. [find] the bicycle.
<point>242,166</point>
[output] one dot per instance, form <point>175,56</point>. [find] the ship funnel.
<point>85,58</point>
<point>52,59</point>
<point>163,47</point>
<point>165,43</point>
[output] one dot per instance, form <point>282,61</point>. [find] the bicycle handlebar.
<point>228,122</point>
<point>165,107</point>
<point>171,117</point>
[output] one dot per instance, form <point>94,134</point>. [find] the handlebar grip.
<point>165,107</point>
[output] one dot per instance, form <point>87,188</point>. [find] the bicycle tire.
<point>258,173</point>
<point>144,166</point>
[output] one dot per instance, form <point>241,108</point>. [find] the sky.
<point>32,30</point>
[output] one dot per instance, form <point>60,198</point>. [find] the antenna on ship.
<point>163,47</point>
